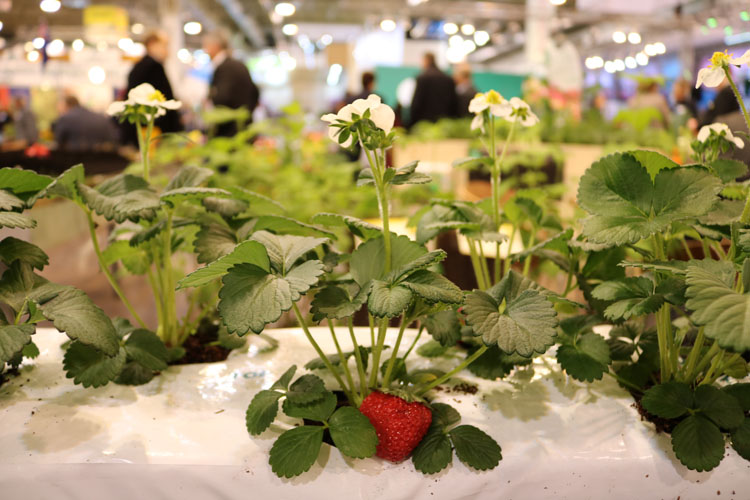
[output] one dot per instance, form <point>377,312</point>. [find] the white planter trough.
<point>183,436</point>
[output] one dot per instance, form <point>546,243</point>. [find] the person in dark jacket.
<point>435,94</point>
<point>723,104</point>
<point>465,89</point>
<point>150,69</point>
<point>231,84</point>
<point>80,129</point>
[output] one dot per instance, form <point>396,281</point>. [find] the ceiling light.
<point>469,46</point>
<point>455,54</point>
<point>481,37</point>
<point>557,2</point>
<point>125,44</point>
<point>192,28</point>
<point>450,28</point>
<point>641,58</point>
<point>468,29</point>
<point>660,48</point>
<point>33,56</point>
<point>1,26</point>
<point>387,25</point>
<point>619,37</point>
<point>50,5</point>
<point>594,62</point>
<point>634,38</point>
<point>97,75</point>
<point>326,39</point>
<point>38,43</point>
<point>77,45</point>
<point>650,50</point>
<point>285,9</point>
<point>609,67</point>
<point>630,62</point>
<point>55,48</point>
<point>28,46</point>
<point>455,40</point>
<point>619,65</point>
<point>184,56</point>
<point>137,29</point>
<point>290,29</point>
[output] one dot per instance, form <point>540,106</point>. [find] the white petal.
<point>373,100</point>
<point>478,104</point>
<point>477,122</point>
<point>530,120</point>
<point>703,133</point>
<point>345,113</point>
<point>116,108</point>
<point>359,106</point>
<point>743,59</point>
<point>738,142</point>
<point>501,110</point>
<point>329,118</point>
<point>710,77</point>
<point>141,93</point>
<point>171,104</point>
<point>383,117</point>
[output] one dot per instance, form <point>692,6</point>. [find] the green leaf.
<point>90,367</point>
<point>251,297</point>
<point>280,224</point>
<point>283,382</point>
<point>189,176</point>
<point>724,312</point>
<point>296,450</point>
<point>741,439</point>
<point>134,373</point>
<point>179,195</point>
<point>72,312</point>
<point>13,338</point>
<point>368,260</point>
<point>422,262</point>
<point>352,433</point>
<point>443,415</point>
<point>433,287</point>
<point>226,207</point>
<point>12,219</point>
<point>433,453</point>
<point>728,170</point>
<point>721,408</point>
<point>626,205</point>
<point>388,300</point>
<point>475,448</point>
<point>146,348</point>
<point>318,410</point>
<point>357,227</point>
<point>122,202</point>
<point>9,201</point>
<point>30,351</point>
<point>653,161</point>
<point>741,392</point>
<point>306,389</point>
<point>668,400</point>
<point>214,240</point>
<point>629,296</point>
<point>408,175</point>
<point>22,183</point>
<point>285,250</point>
<point>255,198</point>
<point>444,327</point>
<point>335,302</point>
<point>262,411</point>
<point>494,363</point>
<point>247,252</point>
<point>12,250</point>
<point>526,325</point>
<point>229,340</point>
<point>64,185</point>
<point>586,360</point>
<point>432,349</point>
<point>698,443</point>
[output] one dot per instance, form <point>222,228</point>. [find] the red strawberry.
<point>400,425</point>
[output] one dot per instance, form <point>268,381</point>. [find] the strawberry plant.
<point>273,265</point>
<point>678,302</point>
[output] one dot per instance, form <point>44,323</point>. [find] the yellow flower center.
<point>157,96</point>
<point>493,97</point>
<point>720,59</point>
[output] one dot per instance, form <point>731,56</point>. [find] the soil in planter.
<point>661,424</point>
<point>200,347</point>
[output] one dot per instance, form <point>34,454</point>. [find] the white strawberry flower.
<point>722,130</point>
<point>380,114</point>
<point>491,100</point>
<point>521,112</point>
<point>144,95</point>
<point>714,74</point>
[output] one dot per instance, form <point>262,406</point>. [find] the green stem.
<point>144,146</point>
<point>344,364</point>
<point>371,321</point>
<point>414,343</point>
<point>170,300</point>
<point>483,262</point>
<point>466,362</point>
<point>497,264</point>
<point>686,247</point>
<point>527,260</point>
<point>710,354</point>
<point>715,362</point>
<point>377,351</point>
<point>358,357</point>
<point>106,271</point>
<point>745,217</point>
<point>624,382</point>
<point>692,359</point>
<point>663,322</point>
<point>320,352</point>
<point>394,353</point>
<point>508,259</point>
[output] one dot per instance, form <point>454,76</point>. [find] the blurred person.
<point>368,87</point>
<point>648,96</point>
<point>465,89</point>
<point>231,84</point>
<point>435,94</point>
<point>150,69</point>
<point>685,110</point>
<point>723,104</point>
<point>80,129</point>
<point>24,120</point>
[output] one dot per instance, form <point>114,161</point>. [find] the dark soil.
<point>198,348</point>
<point>462,388</point>
<point>661,424</point>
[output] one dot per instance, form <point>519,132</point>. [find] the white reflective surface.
<point>183,436</point>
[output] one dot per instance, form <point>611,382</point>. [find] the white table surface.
<point>183,436</point>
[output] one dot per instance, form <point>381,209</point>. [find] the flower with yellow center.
<point>146,95</point>
<point>491,102</point>
<point>714,74</point>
